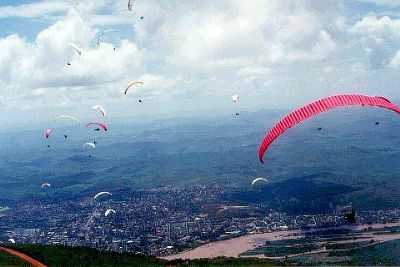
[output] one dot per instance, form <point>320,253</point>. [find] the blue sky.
<point>191,55</point>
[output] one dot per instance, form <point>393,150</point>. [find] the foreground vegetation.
<point>86,257</point>
<point>7,260</point>
<point>381,254</point>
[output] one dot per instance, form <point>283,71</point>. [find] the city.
<point>158,222</point>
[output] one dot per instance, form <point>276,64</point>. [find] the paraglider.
<point>235,99</point>
<point>68,64</point>
<point>100,109</point>
<point>131,84</point>
<point>47,132</point>
<point>89,145</point>
<point>109,211</point>
<point>76,48</point>
<point>257,180</point>
<point>102,194</point>
<point>45,185</point>
<point>318,107</point>
<point>101,126</point>
<point>377,123</point>
<point>67,117</point>
<point>319,128</point>
<point>130,4</point>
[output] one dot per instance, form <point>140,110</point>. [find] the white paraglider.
<point>89,145</point>
<point>102,194</point>
<point>45,185</point>
<point>109,211</point>
<point>259,179</point>
<point>68,118</point>
<point>47,132</point>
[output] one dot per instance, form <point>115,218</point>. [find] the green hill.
<point>348,161</point>
<point>381,254</point>
<point>84,257</point>
<point>87,257</point>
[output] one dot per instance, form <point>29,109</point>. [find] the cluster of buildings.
<point>155,222</point>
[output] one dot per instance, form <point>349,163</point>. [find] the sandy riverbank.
<point>236,246</point>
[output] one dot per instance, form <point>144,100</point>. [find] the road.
<point>22,256</point>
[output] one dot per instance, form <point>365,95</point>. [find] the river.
<point>236,246</point>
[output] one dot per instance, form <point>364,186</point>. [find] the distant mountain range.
<point>350,159</point>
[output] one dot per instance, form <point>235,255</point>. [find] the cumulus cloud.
<point>376,27</point>
<point>380,37</point>
<point>180,49</point>
<point>28,68</point>
<point>191,49</point>
<point>236,34</point>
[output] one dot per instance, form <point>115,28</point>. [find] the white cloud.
<point>26,68</point>
<point>192,49</point>
<point>321,49</point>
<point>229,38</point>
<point>253,71</point>
<point>379,37</point>
<point>179,48</point>
<point>110,20</point>
<point>34,10</point>
<point>377,27</point>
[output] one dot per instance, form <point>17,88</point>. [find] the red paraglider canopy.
<point>317,107</point>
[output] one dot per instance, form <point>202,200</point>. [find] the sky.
<point>191,55</point>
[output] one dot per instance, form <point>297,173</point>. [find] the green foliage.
<point>380,254</point>
<point>7,260</point>
<point>279,251</point>
<point>85,257</point>
<point>387,253</point>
